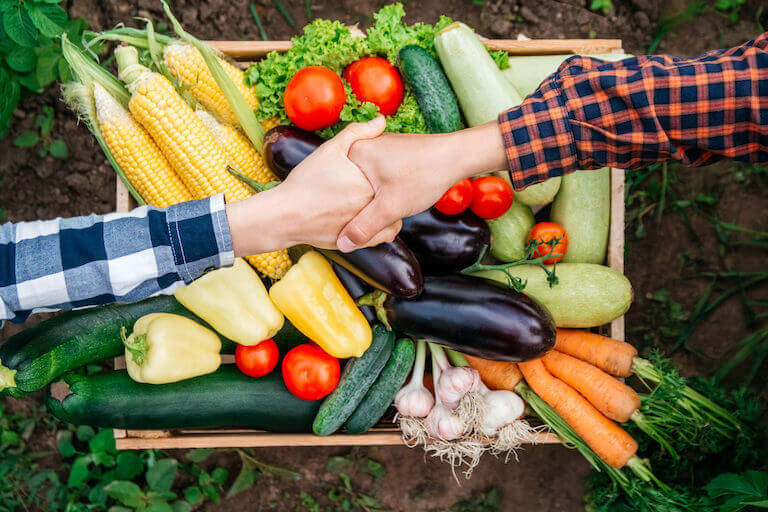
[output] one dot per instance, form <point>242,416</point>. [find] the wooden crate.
<point>383,434</point>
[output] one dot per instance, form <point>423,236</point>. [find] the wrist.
<point>474,151</point>
<point>261,224</point>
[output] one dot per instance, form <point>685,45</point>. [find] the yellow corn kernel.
<point>270,123</point>
<point>137,154</point>
<point>242,155</point>
<point>187,65</point>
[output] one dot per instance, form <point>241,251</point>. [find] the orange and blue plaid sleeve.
<point>641,110</point>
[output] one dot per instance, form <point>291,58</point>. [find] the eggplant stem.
<point>376,300</point>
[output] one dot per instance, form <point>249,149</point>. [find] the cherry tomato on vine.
<point>257,360</point>
<point>492,197</point>
<point>545,232</point>
<point>456,199</point>
<point>314,98</point>
<point>376,80</point>
<point>309,372</point>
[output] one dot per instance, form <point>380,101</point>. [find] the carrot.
<point>496,374</point>
<point>613,356</point>
<point>609,395</point>
<point>608,440</point>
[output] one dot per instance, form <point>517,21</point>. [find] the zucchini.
<point>509,233</point>
<point>540,193</point>
<point>224,398</point>
<point>380,396</point>
<point>583,208</point>
<point>587,295</point>
<point>358,376</point>
<point>431,88</point>
<point>483,91</point>
<point>36,356</point>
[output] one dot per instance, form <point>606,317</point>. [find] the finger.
<point>359,131</point>
<point>372,219</point>
<point>388,234</point>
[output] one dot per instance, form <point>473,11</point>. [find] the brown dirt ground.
<point>545,478</point>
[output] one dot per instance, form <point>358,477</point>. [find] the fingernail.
<point>345,244</point>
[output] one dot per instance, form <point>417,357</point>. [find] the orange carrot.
<point>608,440</point>
<point>496,374</point>
<point>609,395</point>
<point>612,356</point>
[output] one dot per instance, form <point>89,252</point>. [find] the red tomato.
<point>376,80</point>
<point>257,360</point>
<point>456,199</point>
<point>314,98</point>
<point>492,197</point>
<point>544,232</point>
<point>309,372</point>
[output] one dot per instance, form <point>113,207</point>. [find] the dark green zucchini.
<point>358,376</point>
<point>380,396</point>
<point>432,90</point>
<point>224,398</point>
<point>33,358</point>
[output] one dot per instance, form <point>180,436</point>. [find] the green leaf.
<point>128,466</point>
<point>26,140</point>
<point>734,492</point>
<point>19,27</point>
<point>212,493</point>
<point>29,81</point>
<point>127,493</point>
<point>373,468</point>
<point>104,441</point>
<point>9,438</point>
<point>64,443</point>
<point>21,60</point>
<point>50,19</point>
<point>193,494</point>
<point>79,472</point>
<point>199,454</point>
<point>83,432</point>
<point>337,462</point>
<point>58,149</point>
<point>159,506</point>
<point>181,506</point>
<point>219,476</point>
<point>161,475</point>
<point>47,68</point>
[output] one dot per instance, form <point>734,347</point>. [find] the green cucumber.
<point>358,376</point>
<point>33,358</point>
<point>380,396</point>
<point>509,233</point>
<point>224,398</point>
<point>430,86</point>
<point>583,208</point>
<point>587,295</point>
<point>540,193</point>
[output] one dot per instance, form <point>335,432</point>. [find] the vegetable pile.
<point>500,296</point>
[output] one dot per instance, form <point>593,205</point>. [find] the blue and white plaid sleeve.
<point>118,257</point>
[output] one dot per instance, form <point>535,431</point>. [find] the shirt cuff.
<point>538,138</point>
<point>200,237</point>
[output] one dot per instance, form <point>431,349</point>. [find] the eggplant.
<point>445,244</point>
<point>390,267</point>
<point>475,316</point>
<point>356,288</point>
<point>286,146</point>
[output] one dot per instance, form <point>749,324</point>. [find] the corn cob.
<point>187,144</point>
<point>137,154</point>
<point>187,65</point>
<point>242,155</point>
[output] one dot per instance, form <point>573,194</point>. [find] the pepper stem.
<point>7,377</point>
<point>376,300</point>
<point>136,345</point>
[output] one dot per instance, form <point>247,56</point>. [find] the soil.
<point>545,478</point>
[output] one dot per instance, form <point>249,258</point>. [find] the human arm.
<point>589,114</point>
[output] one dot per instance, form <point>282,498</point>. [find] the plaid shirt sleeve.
<point>119,257</point>
<point>631,113</point>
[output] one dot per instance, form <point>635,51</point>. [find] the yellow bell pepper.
<point>235,302</point>
<point>314,300</point>
<point>167,348</point>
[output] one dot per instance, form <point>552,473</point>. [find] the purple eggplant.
<point>356,288</point>
<point>445,244</point>
<point>390,267</point>
<point>475,316</point>
<point>286,146</point>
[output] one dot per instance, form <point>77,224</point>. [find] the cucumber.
<point>358,376</point>
<point>540,193</point>
<point>431,88</point>
<point>509,233</point>
<point>380,396</point>
<point>587,295</point>
<point>224,398</point>
<point>583,208</point>
<point>33,358</point>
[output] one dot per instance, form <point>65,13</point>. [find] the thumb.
<point>358,131</point>
<point>358,232</point>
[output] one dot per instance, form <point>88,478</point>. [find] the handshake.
<point>353,191</point>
